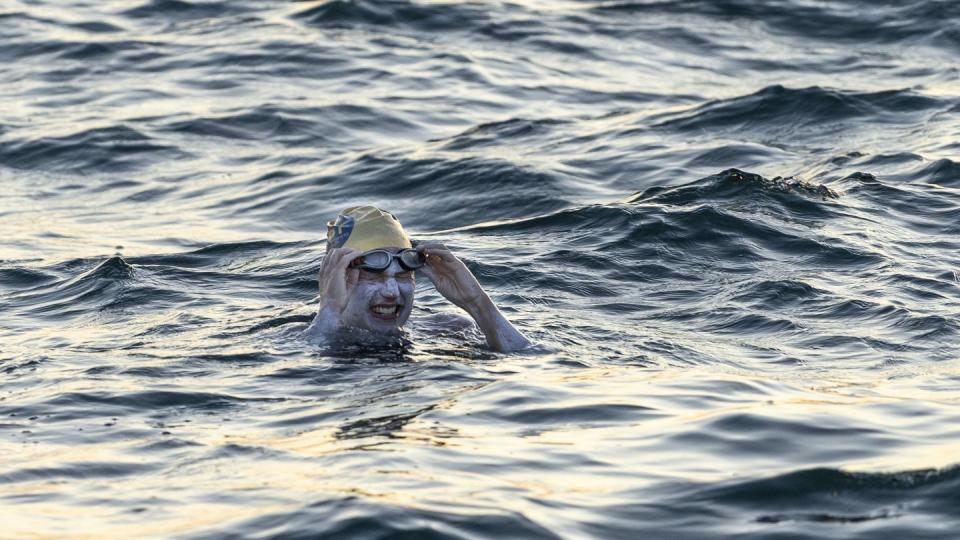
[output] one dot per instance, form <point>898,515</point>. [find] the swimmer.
<point>367,281</point>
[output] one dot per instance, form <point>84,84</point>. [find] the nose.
<point>390,288</point>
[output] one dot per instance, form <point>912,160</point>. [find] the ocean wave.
<point>923,208</point>
<point>501,187</point>
<point>357,517</point>
<point>941,171</point>
<point>729,227</point>
<point>106,149</point>
<point>778,108</point>
<point>292,127</point>
<point>738,185</point>
<point>779,294</point>
<point>805,504</point>
<point>69,50</point>
<point>67,406</point>
<point>852,21</point>
<point>724,217</point>
<point>80,470</point>
<point>834,490</point>
<point>111,285</point>
<point>19,278</point>
<point>69,295</point>
<point>259,124</point>
<point>182,9</point>
<point>512,131</point>
<point>393,14</point>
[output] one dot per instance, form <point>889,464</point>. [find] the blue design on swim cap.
<point>341,230</point>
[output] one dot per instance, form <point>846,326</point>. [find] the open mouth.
<point>386,312</point>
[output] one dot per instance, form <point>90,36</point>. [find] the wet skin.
<point>380,302</point>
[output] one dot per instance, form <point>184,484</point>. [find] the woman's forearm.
<point>501,335</point>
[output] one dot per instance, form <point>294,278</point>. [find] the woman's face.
<point>381,301</point>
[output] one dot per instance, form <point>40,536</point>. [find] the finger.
<point>443,253</point>
<point>346,257</point>
<point>332,256</point>
<point>429,272</point>
<point>353,275</point>
<point>334,253</point>
<point>339,252</point>
<point>434,249</point>
<point>336,259</point>
<point>426,247</point>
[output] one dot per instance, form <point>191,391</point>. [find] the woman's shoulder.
<point>440,321</point>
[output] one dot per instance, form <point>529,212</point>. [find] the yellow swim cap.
<point>365,228</point>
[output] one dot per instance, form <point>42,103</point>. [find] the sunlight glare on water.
<point>729,227</point>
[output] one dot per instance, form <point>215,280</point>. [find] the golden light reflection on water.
<point>538,435</point>
<point>445,457</point>
<point>65,238</point>
<point>88,522</point>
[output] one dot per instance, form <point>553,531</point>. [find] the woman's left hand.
<point>451,277</point>
<point>457,284</point>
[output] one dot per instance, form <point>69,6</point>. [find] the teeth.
<point>385,310</point>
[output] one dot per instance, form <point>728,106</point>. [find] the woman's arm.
<point>337,281</point>
<point>457,284</point>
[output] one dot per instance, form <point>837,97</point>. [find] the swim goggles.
<point>378,260</point>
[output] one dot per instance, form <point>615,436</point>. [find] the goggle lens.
<point>379,260</point>
<point>376,260</point>
<point>412,259</point>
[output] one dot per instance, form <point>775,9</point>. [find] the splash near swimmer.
<point>367,281</point>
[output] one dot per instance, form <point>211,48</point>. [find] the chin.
<point>381,327</point>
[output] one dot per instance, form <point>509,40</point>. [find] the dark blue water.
<point>732,227</point>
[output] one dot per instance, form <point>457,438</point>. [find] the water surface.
<point>731,228</point>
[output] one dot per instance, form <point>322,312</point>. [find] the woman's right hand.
<point>337,279</point>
